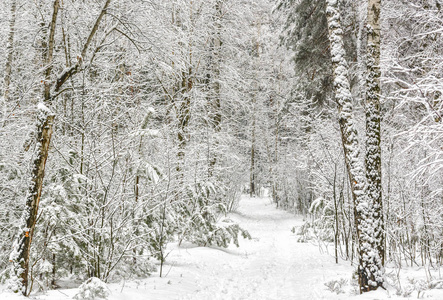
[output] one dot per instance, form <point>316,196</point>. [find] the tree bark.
<point>21,253</point>
<point>373,116</point>
<point>184,117</point>
<point>369,269</point>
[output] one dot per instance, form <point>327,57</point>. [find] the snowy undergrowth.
<point>92,289</point>
<point>273,265</point>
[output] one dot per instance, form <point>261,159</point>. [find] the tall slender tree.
<point>21,252</point>
<point>369,267</point>
<point>373,116</point>
<point>213,81</point>
<point>10,52</point>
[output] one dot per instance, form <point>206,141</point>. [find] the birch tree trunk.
<point>369,268</point>
<point>373,116</point>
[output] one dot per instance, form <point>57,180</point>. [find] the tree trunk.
<point>252,170</point>
<point>369,269</point>
<point>20,255</point>
<point>10,49</point>
<point>214,84</point>
<point>184,117</point>
<point>373,116</point>
<point>8,65</point>
<point>21,252</point>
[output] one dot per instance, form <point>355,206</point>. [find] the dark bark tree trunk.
<point>373,116</point>
<point>253,171</point>
<point>184,117</point>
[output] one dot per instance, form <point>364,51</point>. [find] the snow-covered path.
<point>272,266</point>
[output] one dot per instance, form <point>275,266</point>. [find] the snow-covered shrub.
<point>336,286</point>
<point>91,289</point>
<point>322,211</point>
<point>159,227</point>
<point>201,218</point>
<point>58,250</point>
<point>436,284</point>
<point>418,285</point>
<point>4,275</point>
<point>226,232</point>
<point>415,285</point>
<point>134,267</point>
<point>14,283</point>
<point>303,232</point>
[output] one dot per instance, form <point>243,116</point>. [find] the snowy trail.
<point>271,266</point>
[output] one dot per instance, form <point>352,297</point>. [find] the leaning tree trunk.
<point>373,116</point>
<point>21,252</point>
<point>45,118</point>
<point>369,268</point>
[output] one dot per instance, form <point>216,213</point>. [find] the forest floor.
<point>272,265</point>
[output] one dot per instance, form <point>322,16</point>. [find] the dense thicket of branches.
<point>411,125</point>
<point>166,110</point>
<point>151,127</point>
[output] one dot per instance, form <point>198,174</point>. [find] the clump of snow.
<point>153,173</point>
<point>92,289</point>
<point>42,107</point>
<point>43,111</point>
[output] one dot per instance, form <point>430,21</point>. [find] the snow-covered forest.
<point>224,149</point>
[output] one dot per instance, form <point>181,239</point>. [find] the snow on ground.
<point>272,266</point>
